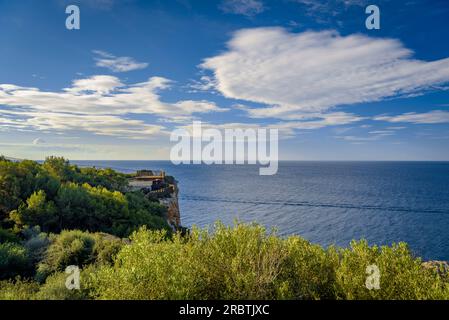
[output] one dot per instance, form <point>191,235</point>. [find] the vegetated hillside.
<point>56,196</point>
<point>40,201</point>
<point>55,215</point>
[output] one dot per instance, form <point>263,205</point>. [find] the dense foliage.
<point>56,196</point>
<point>40,202</point>
<point>240,262</point>
<point>246,262</point>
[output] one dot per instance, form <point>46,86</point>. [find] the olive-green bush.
<point>55,288</point>
<point>18,289</point>
<point>14,261</point>
<point>79,249</point>
<point>246,262</point>
<point>403,277</point>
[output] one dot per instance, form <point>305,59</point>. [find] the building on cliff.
<point>157,186</point>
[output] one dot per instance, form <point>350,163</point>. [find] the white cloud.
<point>103,95</point>
<point>328,119</point>
<point>117,64</point>
<point>98,84</point>
<point>100,104</point>
<point>396,128</point>
<point>7,123</point>
<point>431,117</point>
<point>38,141</point>
<point>206,83</point>
<point>289,129</point>
<point>382,132</point>
<point>244,7</point>
<point>374,136</point>
<point>313,72</point>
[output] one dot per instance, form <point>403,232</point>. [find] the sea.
<point>328,203</point>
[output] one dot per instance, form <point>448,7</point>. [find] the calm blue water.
<point>325,202</point>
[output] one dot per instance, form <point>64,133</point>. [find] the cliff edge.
<point>157,186</point>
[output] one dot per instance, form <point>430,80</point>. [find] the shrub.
<point>68,248</point>
<point>401,275</point>
<point>236,263</point>
<point>55,288</point>
<point>154,270</point>
<point>308,271</point>
<point>14,261</point>
<point>246,262</point>
<point>18,289</point>
<point>77,248</point>
<point>36,243</point>
<point>106,248</point>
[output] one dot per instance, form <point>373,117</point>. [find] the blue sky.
<point>136,70</point>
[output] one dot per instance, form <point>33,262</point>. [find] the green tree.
<point>59,168</point>
<point>107,178</point>
<point>37,212</point>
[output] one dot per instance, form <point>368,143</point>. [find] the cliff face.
<point>173,214</point>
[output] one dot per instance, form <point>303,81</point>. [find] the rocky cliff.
<point>173,214</point>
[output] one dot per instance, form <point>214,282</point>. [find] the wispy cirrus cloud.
<point>293,74</point>
<point>431,117</point>
<point>362,139</point>
<point>375,135</point>
<point>320,120</point>
<point>289,129</point>
<point>326,6</point>
<point>117,64</point>
<point>205,83</point>
<point>324,10</point>
<point>247,8</point>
